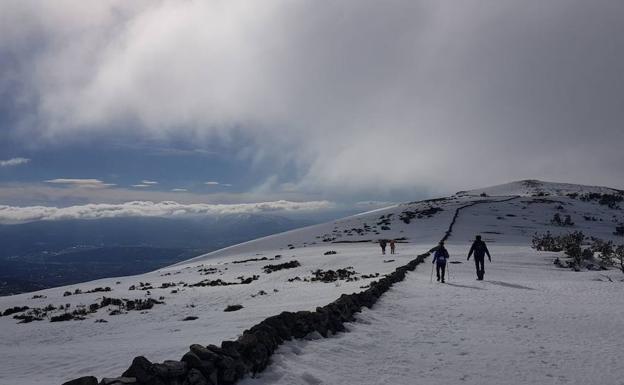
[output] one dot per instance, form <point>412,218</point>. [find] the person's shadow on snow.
<point>512,285</point>
<point>465,286</point>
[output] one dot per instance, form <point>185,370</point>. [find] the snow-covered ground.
<point>529,322</point>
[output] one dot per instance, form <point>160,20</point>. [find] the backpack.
<point>441,255</point>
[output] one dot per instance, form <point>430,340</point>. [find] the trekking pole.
<point>448,272</point>
<point>431,278</point>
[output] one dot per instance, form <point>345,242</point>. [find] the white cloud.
<point>84,183</point>
<point>179,190</point>
<point>13,162</point>
<point>211,183</point>
<point>14,214</point>
<point>141,185</point>
<point>30,194</point>
<point>145,181</point>
<point>356,95</point>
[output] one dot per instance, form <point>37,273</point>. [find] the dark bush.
<point>610,200</point>
<point>346,274</point>
<point>287,265</point>
<point>556,220</point>
<point>13,310</point>
<point>62,317</point>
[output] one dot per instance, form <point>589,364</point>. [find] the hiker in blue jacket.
<point>479,249</point>
<point>440,257</point>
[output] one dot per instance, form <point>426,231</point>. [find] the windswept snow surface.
<point>528,323</point>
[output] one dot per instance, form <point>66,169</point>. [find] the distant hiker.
<point>392,246</point>
<point>480,250</point>
<point>382,243</point>
<point>440,257</point>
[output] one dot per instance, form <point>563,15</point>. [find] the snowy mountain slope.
<point>533,187</point>
<point>43,352</point>
<point>529,322</point>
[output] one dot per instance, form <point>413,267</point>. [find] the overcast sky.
<point>232,101</point>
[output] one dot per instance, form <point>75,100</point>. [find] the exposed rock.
<point>194,377</point>
<point>144,371</point>
<point>118,381</point>
<point>89,380</point>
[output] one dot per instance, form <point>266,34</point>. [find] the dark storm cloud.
<point>360,95</point>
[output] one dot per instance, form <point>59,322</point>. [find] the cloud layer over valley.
<point>13,214</point>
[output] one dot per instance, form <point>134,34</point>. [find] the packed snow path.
<point>528,323</point>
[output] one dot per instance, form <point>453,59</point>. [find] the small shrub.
<point>546,242</point>
<point>27,318</point>
<point>605,251</point>
<point>570,243</point>
<point>619,255</point>
<point>233,308</point>
<point>287,265</point>
<point>62,317</point>
<point>13,310</point>
<point>557,221</point>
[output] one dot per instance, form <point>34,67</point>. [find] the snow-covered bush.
<point>605,251</point>
<point>546,242</point>
<point>567,221</point>
<point>570,243</point>
<point>619,255</point>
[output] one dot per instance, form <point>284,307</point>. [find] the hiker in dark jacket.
<point>480,250</point>
<point>440,257</point>
<point>383,243</point>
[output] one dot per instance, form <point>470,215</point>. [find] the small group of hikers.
<point>478,248</point>
<point>384,242</point>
